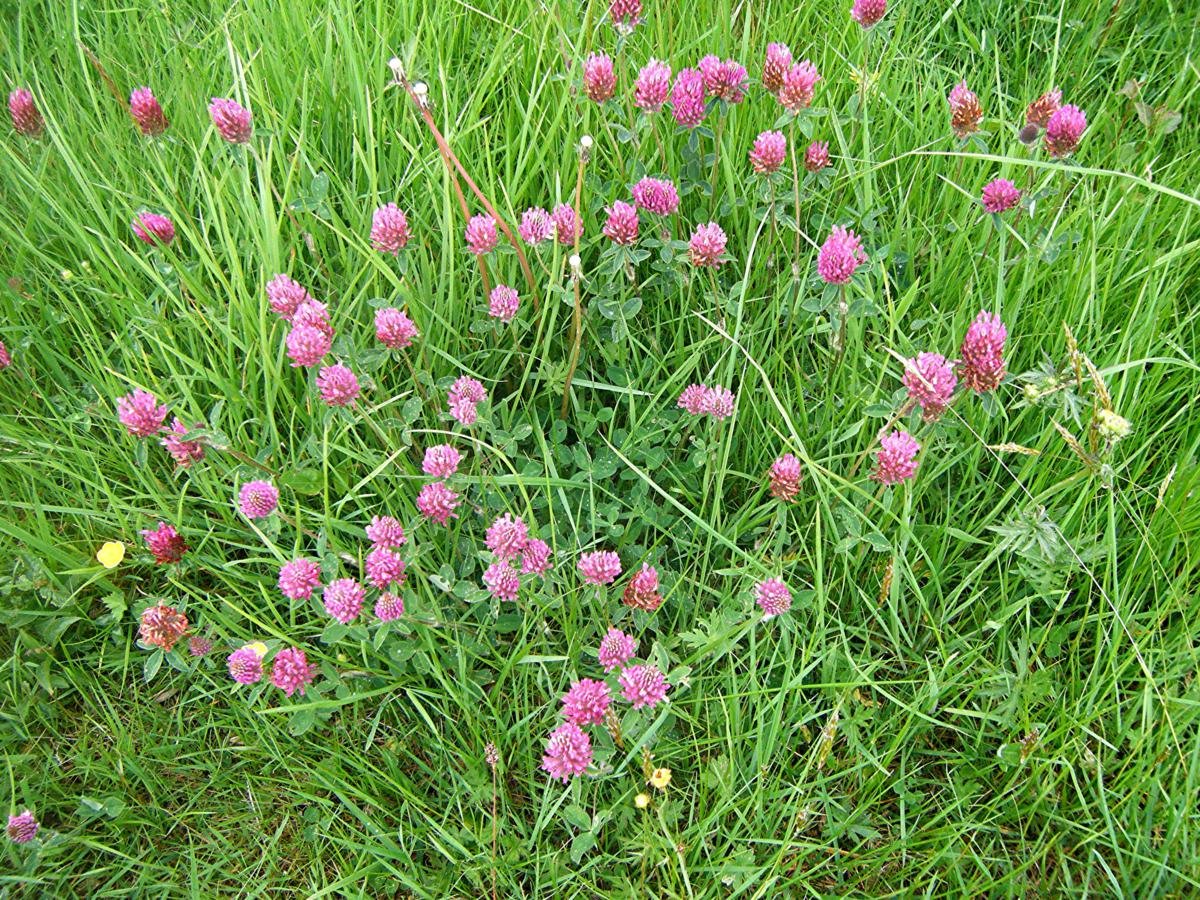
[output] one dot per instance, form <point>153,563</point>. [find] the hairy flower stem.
<point>795,200</point>
<point>577,313</point>
<point>712,183</point>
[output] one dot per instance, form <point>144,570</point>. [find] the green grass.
<point>1002,597</point>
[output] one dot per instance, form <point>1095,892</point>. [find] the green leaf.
<point>575,815</point>
<point>307,481</point>
<point>152,664</point>
<point>582,844</point>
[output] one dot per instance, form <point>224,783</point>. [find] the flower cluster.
<point>700,400</point>
<point>464,396</point>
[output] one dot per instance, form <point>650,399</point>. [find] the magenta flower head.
<point>816,157</point>
<point>718,402</point>
<point>536,226</point>
<point>930,380</point>
<point>441,461</point>
<point>622,225</point>
<point>775,66</point>
<point>723,80</point>
<point>687,98</point>
<point>599,567</point>
<point>147,112</point>
<point>642,590</point>
<point>616,649</point>
<point>586,702</point>
<point>773,597</point>
<point>625,14</point>
<point>1063,131</point>
<point>867,12</point>
<point>291,672</point>
<point>183,452</point>
<point>437,502</point>
<point>245,665</point>
<point>784,476</point>
<point>653,86</point>
<point>307,345</point>
<point>568,752</point>
<point>1038,112</point>
<point>535,558</point>
<point>507,536</point>
<point>982,353</point>
<point>338,385</point>
<point>707,245</point>
<point>5,359</point>
<point>896,460</point>
<point>1000,195</point>
<point>285,296</point>
<point>965,112</point>
<point>599,81</point>
<point>567,224</point>
<point>162,626</point>
<point>151,228</point>
<point>503,303</point>
<point>384,531</point>
<point>314,315</point>
<point>199,645</point>
<point>768,152</point>
<point>656,195</point>
<point>344,599</point>
<point>24,112</point>
<point>467,389</point>
<point>840,256</point>
<point>502,581</point>
<point>22,828</point>
<point>389,229</point>
<point>299,578</point>
<point>232,120</point>
<point>692,399</point>
<point>140,413</point>
<point>394,329</point>
<point>167,545</point>
<point>799,82</point>
<point>258,499</point>
<point>385,568</point>
<point>389,607</point>
<point>481,234</point>
<point>643,685</point>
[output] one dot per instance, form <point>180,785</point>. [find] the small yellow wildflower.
<point>641,801</point>
<point>259,648</point>
<point>111,554</point>
<point>660,778</point>
<point>1111,426</point>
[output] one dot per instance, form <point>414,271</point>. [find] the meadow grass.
<point>987,684</point>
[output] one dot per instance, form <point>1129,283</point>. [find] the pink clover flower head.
<point>707,245</point>
<point>687,98</point>
<point>245,665</point>
<point>464,395</point>
<point>344,600</point>
<point>586,702</point>
<point>389,229</point>
<point>784,476</point>
<point>653,86</point>
<point>982,353</point>
<point>232,121</point>
<point>140,413</point>
<point>384,531</point>
<point>625,14</point>
<point>768,152</point>
<point>507,536</point>
<point>5,359</point>
<point>481,235</point>
<point>535,557</point>
<point>389,607</point>
<point>799,83</point>
<point>441,461</point>
<point>599,80</point>
<point>1038,112</point>
<point>258,499</point>
<point>642,590</point>
<point>723,80</point>
<point>503,303</point>
<point>162,626</point>
<point>394,329</point>
<point>773,597</point>
<point>840,256</point>
<point>501,580</point>
<point>718,402</point>
<point>24,112</point>
<point>463,412</point>
<point>568,752</point>
<point>146,111</point>
<point>868,12</point>
<point>307,345</point>
<point>286,295</point>
<point>1063,131</point>
<point>599,567</point>
<point>199,645</point>
<point>298,578</point>
<point>437,502</point>
<point>165,543</point>
<point>616,649</point>
<point>656,195</point>
<point>1000,195</point>
<point>816,157</point>
<point>314,314</point>
<point>536,226</point>
<point>896,459</point>
<point>965,111</point>
<point>692,399</point>
<point>338,385</point>
<point>185,453</point>
<point>567,224</point>
<point>775,66</point>
<point>385,568</point>
<point>291,672</point>
<point>930,380</point>
<point>22,828</point>
<point>622,224</point>
<point>643,685</point>
<point>151,228</point>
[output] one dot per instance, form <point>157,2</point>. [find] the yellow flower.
<point>641,801</point>
<point>111,554</point>
<point>660,778</point>
<point>259,648</point>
